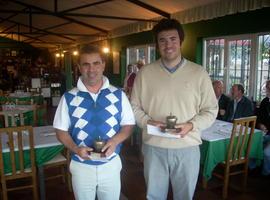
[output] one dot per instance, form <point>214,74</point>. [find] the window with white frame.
<point>214,59</point>
<point>239,59</point>
<point>144,53</point>
<point>239,62</point>
<point>263,64</point>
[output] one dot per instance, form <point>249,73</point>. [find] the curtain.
<point>205,12</point>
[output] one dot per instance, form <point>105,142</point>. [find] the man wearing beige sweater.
<point>172,85</point>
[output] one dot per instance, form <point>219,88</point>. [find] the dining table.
<point>215,141</point>
<point>26,96</point>
<point>46,148</point>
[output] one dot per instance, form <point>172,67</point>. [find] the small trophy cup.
<point>170,124</point>
<point>171,121</point>
<point>98,145</point>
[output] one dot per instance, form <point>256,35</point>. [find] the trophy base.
<point>97,155</point>
<point>170,130</point>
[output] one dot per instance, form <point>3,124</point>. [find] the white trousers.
<point>101,180</point>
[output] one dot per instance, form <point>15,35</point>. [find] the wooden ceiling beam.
<point>42,34</point>
<point>21,34</point>
<point>48,28</point>
<point>37,39</point>
<point>48,32</point>
<point>52,27</point>
<point>60,16</point>
<point>150,8</point>
<point>9,17</point>
<point>55,5</point>
<point>109,17</point>
<point>30,20</point>
<point>5,31</point>
<point>78,15</point>
<point>85,6</point>
<point>54,43</point>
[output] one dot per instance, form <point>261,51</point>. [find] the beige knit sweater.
<point>187,93</point>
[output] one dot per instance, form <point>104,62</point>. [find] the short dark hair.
<point>241,88</point>
<point>168,24</point>
<point>89,49</point>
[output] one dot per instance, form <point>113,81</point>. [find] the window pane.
<point>152,54</point>
<point>142,53</point>
<point>132,55</point>
<point>239,62</point>
<point>145,53</point>
<point>215,58</point>
<point>263,69</point>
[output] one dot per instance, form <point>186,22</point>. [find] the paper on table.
<point>96,157</point>
<point>153,130</point>
<point>218,131</point>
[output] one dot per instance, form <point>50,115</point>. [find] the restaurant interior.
<point>39,43</point>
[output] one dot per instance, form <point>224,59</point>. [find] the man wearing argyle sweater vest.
<point>94,109</point>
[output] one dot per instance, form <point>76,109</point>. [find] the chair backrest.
<point>13,142</point>
<point>41,113</point>
<point>10,116</point>
<point>18,117</point>
<point>24,102</point>
<point>240,141</point>
<point>33,108</point>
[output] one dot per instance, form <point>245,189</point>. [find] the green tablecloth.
<point>29,118</point>
<point>42,156</point>
<point>214,152</point>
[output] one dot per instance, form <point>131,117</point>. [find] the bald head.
<point>218,87</point>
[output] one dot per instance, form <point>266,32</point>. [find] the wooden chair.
<point>16,116</point>
<point>13,116</point>
<point>2,101</point>
<point>42,110</point>
<point>22,167</point>
<point>238,152</point>
<point>33,106</point>
<point>60,161</point>
<point>24,102</point>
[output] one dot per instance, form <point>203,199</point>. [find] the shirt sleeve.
<point>140,115</point>
<point>61,118</point>
<point>127,116</point>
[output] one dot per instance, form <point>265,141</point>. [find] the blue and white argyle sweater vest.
<point>90,119</point>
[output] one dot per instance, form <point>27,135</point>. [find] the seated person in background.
<point>239,106</point>
<point>263,122</point>
<point>223,100</point>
